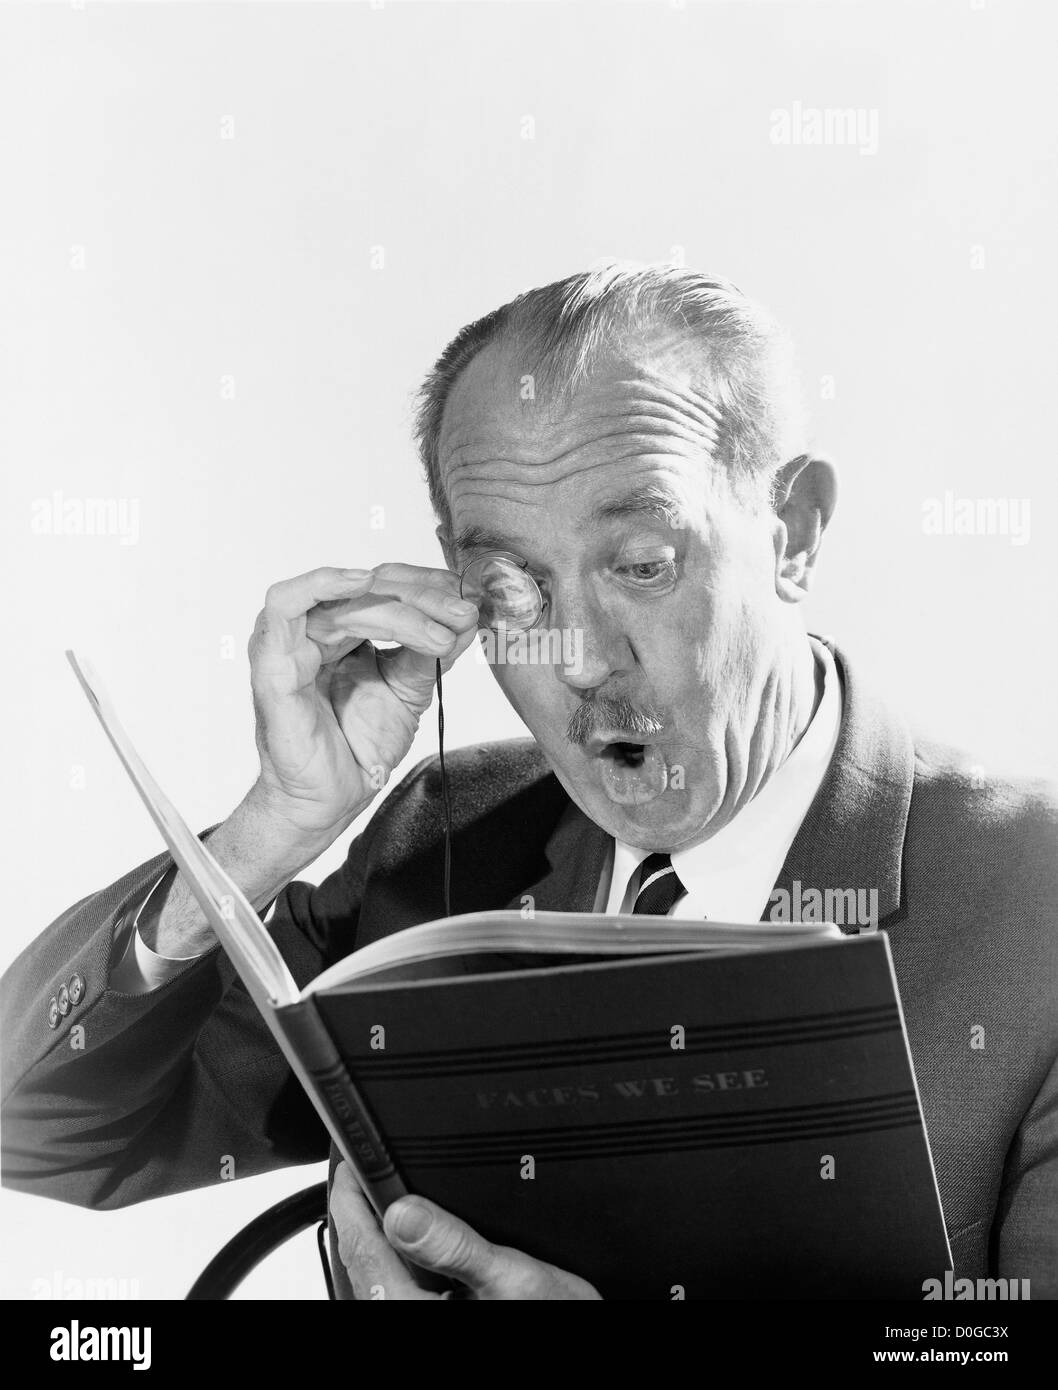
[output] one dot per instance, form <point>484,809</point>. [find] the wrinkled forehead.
<point>647,399</point>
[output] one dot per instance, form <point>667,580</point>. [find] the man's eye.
<point>649,573</point>
<point>541,584</point>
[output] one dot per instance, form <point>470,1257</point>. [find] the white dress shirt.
<point>729,878</point>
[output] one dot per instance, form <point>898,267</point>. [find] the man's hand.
<point>432,1239</point>
<point>335,715</point>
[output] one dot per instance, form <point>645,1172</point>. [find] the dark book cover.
<point>699,1126</point>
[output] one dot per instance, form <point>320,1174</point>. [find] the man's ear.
<point>805,495</point>
<point>447,549</point>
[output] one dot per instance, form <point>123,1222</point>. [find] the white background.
<point>146,258</point>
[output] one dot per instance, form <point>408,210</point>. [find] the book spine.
<point>340,1102</point>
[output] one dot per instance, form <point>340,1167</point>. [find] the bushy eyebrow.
<point>650,499</point>
<point>478,538</point>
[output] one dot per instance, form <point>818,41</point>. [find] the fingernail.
<point>459,607</point>
<point>413,1221</point>
<point>437,633</point>
<point>355,574</point>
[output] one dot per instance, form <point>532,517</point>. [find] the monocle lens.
<point>506,595</point>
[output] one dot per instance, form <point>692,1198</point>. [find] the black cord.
<point>445,801</point>
<point>322,1244</point>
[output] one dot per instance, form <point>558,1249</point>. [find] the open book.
<point>667,1108</point>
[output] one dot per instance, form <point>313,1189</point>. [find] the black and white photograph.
<point>529,535</point>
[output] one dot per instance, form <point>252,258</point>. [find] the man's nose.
<point>594,644</point>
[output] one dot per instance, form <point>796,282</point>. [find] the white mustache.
<point>613,714</point>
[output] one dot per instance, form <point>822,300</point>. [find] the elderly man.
<point>631,440</point>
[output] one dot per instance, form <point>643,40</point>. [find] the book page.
<point>563,934</point>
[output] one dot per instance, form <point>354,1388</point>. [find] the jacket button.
<point>76,989</point>
<point>53,1012</point>
<point>63,1000</point>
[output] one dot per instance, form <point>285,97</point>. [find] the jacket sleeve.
<point>110,1098</point>
<point>1026,1228</point>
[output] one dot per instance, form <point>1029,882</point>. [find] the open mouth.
<point>627,753</point>
<point>633,771</point>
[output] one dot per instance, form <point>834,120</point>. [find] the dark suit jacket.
<point>167,1084</point>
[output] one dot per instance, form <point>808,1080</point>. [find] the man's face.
<point>680,700</point>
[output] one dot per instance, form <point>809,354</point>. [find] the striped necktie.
<point>659,886</point>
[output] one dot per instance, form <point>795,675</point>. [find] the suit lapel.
<point>577,852</point>
<point>853,835</point>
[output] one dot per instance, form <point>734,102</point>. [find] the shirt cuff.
<point>141,969</point>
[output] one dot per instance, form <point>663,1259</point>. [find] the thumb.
<point>411,675</point>
<point>403,662</point>
<point>434,1239</point>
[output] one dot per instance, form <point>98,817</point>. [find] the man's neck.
<point>806,695</point>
